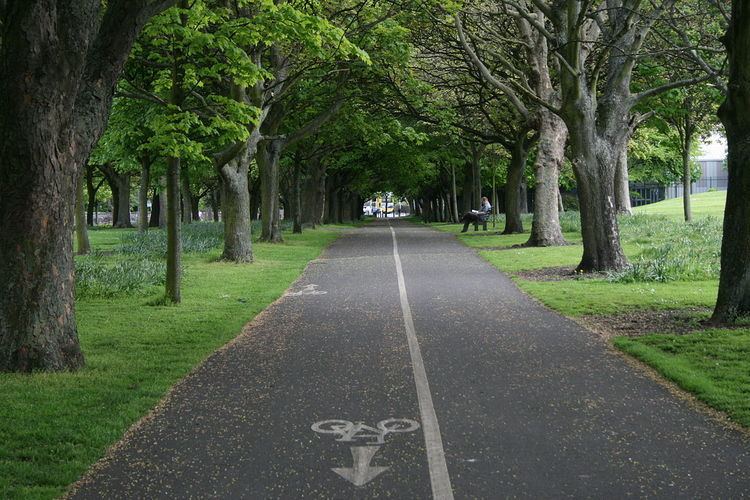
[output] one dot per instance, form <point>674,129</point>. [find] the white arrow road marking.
<point>361,473</point>
<point>307,290</point>
<point>439,478</point>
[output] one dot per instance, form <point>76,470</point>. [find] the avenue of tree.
<point>247,107</point>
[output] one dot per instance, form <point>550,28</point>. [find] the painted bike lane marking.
<point>361,471</point>
<point>439,478</point>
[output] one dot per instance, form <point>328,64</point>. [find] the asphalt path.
<point>402,365</point>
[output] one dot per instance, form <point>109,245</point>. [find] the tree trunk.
<point>123,202</point>
<point>186,196</point>
<point>734,284</point>
<point>476,173</point>
<point>60,64</point>
<point>545,228</point>
<point>155,210</point>
<point>518,157</point>
<point>454,196</point>
<point>297,198</point>
<point>143,195</point>
<point>686,173</point>
<point>163,204</point>
<point>236,210</point>
<point>594,163</point>
<point>37,313</point>
<point>119,183</point>
<point>82,232</point>
<point>214,202</point>
<point>523,197</point>
<point>468,189</point>
<point>622,183</point>
<point>269,153</point>
<point>115,203</point>
<point>91,191</point>
<point>174,232</point>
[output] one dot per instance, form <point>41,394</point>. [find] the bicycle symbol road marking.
<point>307,290</point>
<point>347,431</point>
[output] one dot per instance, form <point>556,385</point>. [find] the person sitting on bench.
<point>477,217</point>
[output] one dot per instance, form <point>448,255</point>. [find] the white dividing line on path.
<point>439,478</point>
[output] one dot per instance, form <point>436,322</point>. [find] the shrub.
<point>570,222</point>
<point>671,250</point>
<point>199,237</point>
<point>99,277</point>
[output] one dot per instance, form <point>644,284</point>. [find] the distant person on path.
<point>477,216</point>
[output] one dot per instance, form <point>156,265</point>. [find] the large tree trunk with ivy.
<point>545,228</point>
<point>60,62</point>
<point>734,284</point>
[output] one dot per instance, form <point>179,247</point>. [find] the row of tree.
<point>251,103</point>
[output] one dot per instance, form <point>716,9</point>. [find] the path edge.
<point>162,404</point>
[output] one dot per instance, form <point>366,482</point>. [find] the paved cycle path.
<point>417,370</point>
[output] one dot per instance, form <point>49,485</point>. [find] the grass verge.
<point>54,426</point>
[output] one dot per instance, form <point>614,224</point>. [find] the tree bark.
<point>687,146</point>
<point>236,210</point>
<point>174,232</point>
<point>734,284</point>
<point>594,161</point>
<point>686,180</point>
<point>119,183</point>
<point>143,195</point>
<point>297,197</point>
<point>155,209</point>
<point>186,195</point>
<point>477,150</point>
<point>519,154</point>
<point>163,204</point>
<point>454,197</point>
<point>545,228</point>
<point>468,189</point>
<point>622,183</point>
<point>269,153</point>
<point>173,288</point>
<point>82,232</point>
<point>91,191</point>
<point>60,62</point>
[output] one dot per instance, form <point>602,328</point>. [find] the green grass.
<point>703,204</point>
<point>714,365</point>
<point>675,267</point>
<point>596,296</point>
<point>54,426</point>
